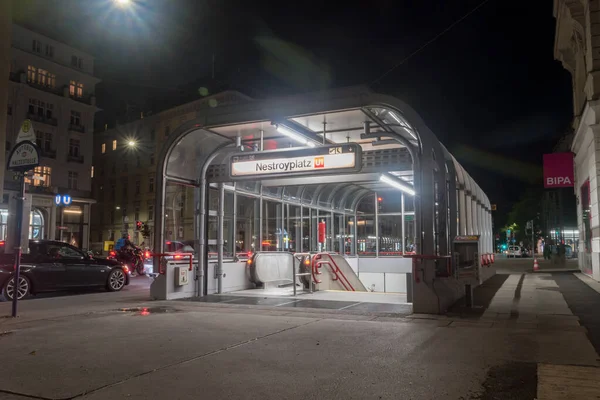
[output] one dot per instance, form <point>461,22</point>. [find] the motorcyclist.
<point>125,248</point>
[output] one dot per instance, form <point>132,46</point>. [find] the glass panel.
<point>273,234</point>
<point>228,229</point>
<point>248,186</point>
<point>307,196</point>
<point>179,216</point>
<point>349,243</point>
<point>367,241</point>
<point>270,191</point>
<point>247,225</point>
<point>190,153</point>
<point>390,234</point>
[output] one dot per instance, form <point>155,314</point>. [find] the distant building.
<point>53,85</point>
<point>125,169</point>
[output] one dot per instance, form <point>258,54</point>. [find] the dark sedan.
<point>52,266</point>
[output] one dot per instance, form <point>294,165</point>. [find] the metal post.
<point>19,225</point>
<point>294,274</point>
<point>220,241</point>
<point>376,221</point>
<point>233,233</point>
<point>403,241</point>
<point>342,230</point>
<point>262,145</point>
<point>62,223</point>
<point>355,238</point>
<point>260,216</point>
<point>332,240</point>
<point>300,237</point>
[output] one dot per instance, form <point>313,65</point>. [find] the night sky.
<point>489,88</point>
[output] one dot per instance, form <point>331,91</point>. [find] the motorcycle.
<point>134,258</point>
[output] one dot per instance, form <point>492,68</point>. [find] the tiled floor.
<point>359,306</point>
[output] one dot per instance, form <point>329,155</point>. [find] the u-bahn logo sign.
<point>318,160</point>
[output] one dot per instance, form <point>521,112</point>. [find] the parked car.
<point>51,266</point>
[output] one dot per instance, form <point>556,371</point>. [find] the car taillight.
<point>177,257</point>
<point>112,253</point>
<point>147,254</point>
<point>126,269</point>
<point>249,254</point>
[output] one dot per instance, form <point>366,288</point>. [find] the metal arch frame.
<point>351,189</point>
<point>317,103</point>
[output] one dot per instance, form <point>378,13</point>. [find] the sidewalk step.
<point>566,382</point>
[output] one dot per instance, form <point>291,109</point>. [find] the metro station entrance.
<point>342,193</point>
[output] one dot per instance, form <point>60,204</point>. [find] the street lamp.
<point>122,3</point>
<point>132,143</point>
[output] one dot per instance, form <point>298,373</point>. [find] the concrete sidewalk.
<point>88,347</point>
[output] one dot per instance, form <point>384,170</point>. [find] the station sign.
<point>62,200</point>
<point>24,156</point>
<point>306,161</point>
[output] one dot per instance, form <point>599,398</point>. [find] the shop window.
<point>41,175</point>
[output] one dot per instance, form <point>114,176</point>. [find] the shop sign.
<point>558,170</point>
<point>467,238</point>
<point>318,160</point>
<point>62,200</point>
<point>23,157</point>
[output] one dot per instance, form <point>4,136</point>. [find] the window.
<point>151,185</point>
<point>167,131</point>
<point>36,46</point>
<point>39,139</point>
<point>42,109</point>
<point>74,147</point>
<point>63,250</point>
<point>42,77</point>
<point>51,80</point>
<point>114,145</point>
<point>103,148</point>
<point>31,73</point>
<point>49,51</point>
<point>75,118</point>
<point>113,191</point>
<point>75,89</point>
<point>150,212</point>
<point>138,185</point>
<point>136,214</point>
<point>74,61</point>
<point>42,177</point>
<point>92,172</point>
<point>72,180</point>
<point>47,141</point>
<point>152,159</point>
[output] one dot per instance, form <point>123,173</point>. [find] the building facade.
<point>124,173</point>
<point>577,46</point>
<point>52,84</point>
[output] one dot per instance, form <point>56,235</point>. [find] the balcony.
<point>41,189</point>
<point>74,158</point>
<point>42,119</point>
<point>77,128</point>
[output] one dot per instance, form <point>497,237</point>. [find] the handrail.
<point>336,271</point>
<point>177,256</point>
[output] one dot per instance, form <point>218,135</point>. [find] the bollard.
<point>468,295</point>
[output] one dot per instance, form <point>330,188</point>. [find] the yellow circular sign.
<point>26,126</point>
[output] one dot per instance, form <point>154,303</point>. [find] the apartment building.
<point>52,84</point>
<point>125,162</point>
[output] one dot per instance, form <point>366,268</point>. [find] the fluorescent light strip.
<point>397,184</point>
<point>66,211</point>
<point>294,135</point>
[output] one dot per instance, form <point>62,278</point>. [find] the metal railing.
<point>335,270</point>
<point>162,265</point>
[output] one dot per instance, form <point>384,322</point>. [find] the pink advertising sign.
<point>558,170</point>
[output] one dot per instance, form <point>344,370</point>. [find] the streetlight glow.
<point>131,143</point>
<point>122,3</point>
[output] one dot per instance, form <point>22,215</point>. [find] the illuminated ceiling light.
<point>284,130</point>
<point>122,3</point>
<point>397,184</point>
<point>402,123</point>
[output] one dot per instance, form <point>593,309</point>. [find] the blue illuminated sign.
<point>62,200</point>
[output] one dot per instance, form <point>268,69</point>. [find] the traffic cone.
<point>536,266</point>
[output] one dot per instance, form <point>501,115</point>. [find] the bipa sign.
<point>558,170</point>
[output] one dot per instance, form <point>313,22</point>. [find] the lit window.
<point>51,82</point>
<point>114,144</point>
<point>41,177</point>
<point>31,73</point>
<point>79,89</point>
<point>72,180</point>
<point>92,172</point>
<point>42,77</point>
<point>103,148</point>
<point>72,88</point>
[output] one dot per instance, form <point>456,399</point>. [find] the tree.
<point>526,209</point>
